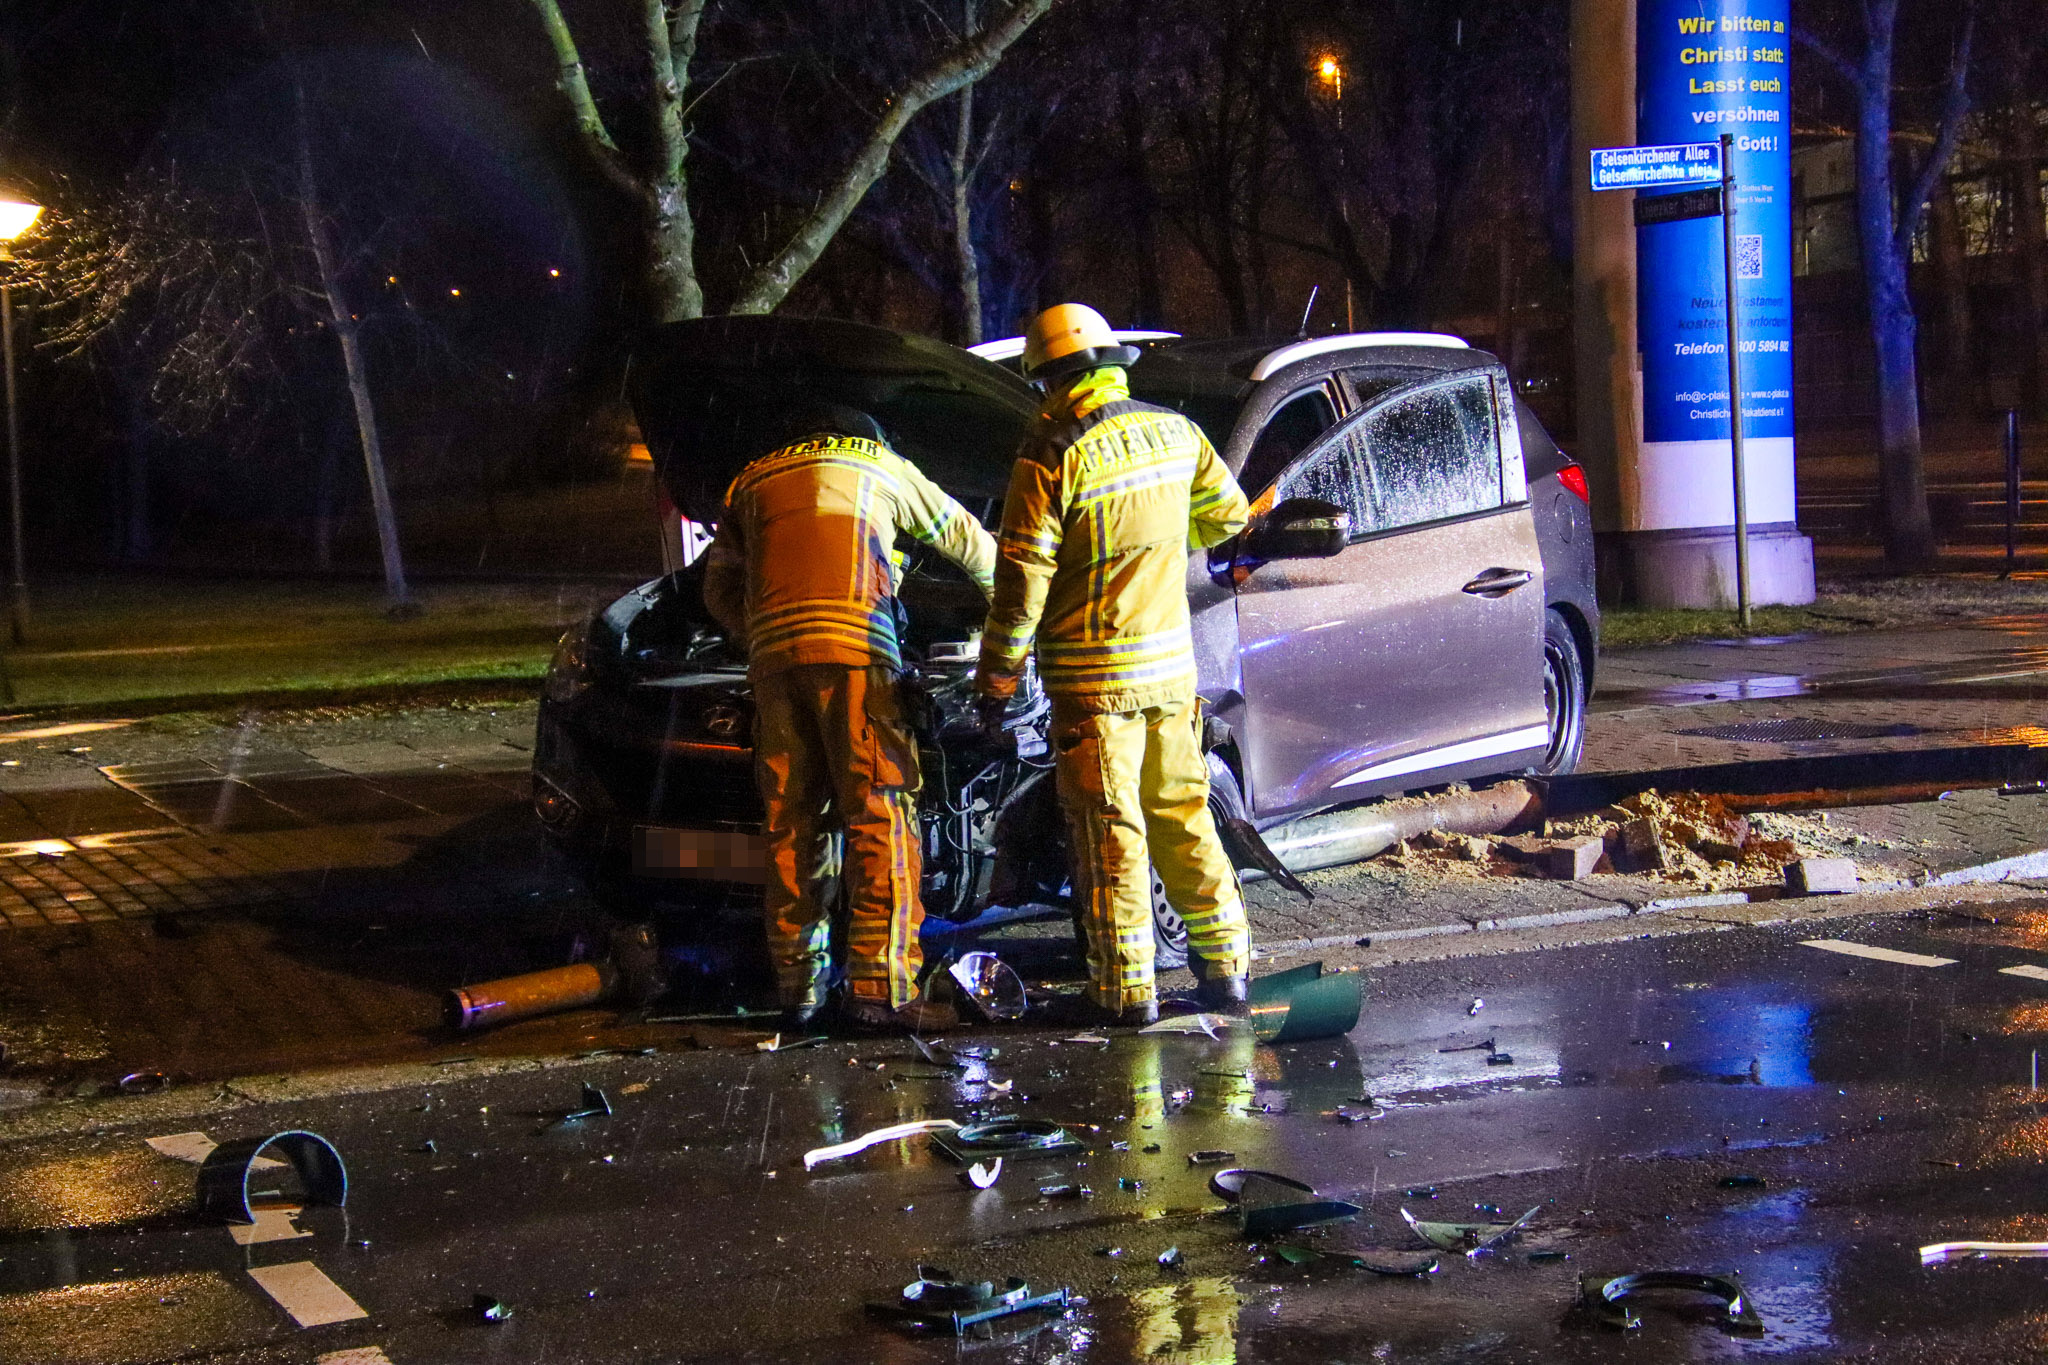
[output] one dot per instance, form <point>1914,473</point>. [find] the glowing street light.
<point>17,216</point>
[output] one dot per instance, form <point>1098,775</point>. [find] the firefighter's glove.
<point>990,711</point>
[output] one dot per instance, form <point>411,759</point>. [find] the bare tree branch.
<point>575,86</point>
<point>1830,57</point>
<point>958,66</point>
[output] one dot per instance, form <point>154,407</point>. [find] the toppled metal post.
<point>1353,833</point>
<point>525,996</point>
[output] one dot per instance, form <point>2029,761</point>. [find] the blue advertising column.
<point>1703,68</point>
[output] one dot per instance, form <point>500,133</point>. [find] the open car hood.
<point>709,393</point>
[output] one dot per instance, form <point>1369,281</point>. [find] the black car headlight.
<point>571,672</point>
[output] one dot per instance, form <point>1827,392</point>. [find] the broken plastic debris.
<point>989,985</point>
<point>1602,1297</point>
<point>775,1042</point>
<point>490,1309</point>
<point>1303,1003</point>
<point>1214,1156</point>
<point>1170,1259</point>
<point>936,1055</point>
<point>819,1155</point>
<point>1065,1191</point>
<point>1229,1185</point>
<point>1208,1025</point>
<point>142,1082</point>
<point>1476,1006</point>
<point>1301,1255</point>
<point>1470,1238</point>
<point>596,1105</point>
<point>983,1174</point>
<point>224,1175</point>
<point>935,1299</point>
<point>1084,1040</point>
<point>1268,1205</point>
<point>1954,1251</point>
<point>1006,1137</point>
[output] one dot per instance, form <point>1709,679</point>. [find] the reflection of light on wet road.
<point>1191,1323</point>
<point>85,1191</point>
<point>81,727</point>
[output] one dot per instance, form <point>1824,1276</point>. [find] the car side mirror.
<point>1299,528</point>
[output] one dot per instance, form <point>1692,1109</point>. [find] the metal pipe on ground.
<point>1353,833</point>
<point>522,997</point>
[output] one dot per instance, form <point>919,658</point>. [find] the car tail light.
<point>1574,477</point>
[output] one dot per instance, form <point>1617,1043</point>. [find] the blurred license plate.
<point>713,854</point>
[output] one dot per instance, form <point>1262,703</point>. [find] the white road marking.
<point>1836,945</point>
<point>303,1290</point>
<point>355,1355</point>
<point>194,1147</point>
<point>2030,972</point>
<point>273,1224</point>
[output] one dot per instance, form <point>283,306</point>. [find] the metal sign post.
<point>1684,164</point>
<point>1734,380</point>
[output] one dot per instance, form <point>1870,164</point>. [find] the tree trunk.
<point>1902,475</point>
<point>348,334</point>
<point>2031,252</point>
<point>962,170</point>
<point>1952,288</point>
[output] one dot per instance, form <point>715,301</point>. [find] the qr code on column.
<point>1749,256</point>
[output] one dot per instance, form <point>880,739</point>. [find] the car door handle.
<point>1499,582</point>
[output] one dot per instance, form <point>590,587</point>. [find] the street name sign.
<point>1652,209</point>
<point>1651,168</point>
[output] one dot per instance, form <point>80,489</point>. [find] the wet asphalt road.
<point>1882,1105</point>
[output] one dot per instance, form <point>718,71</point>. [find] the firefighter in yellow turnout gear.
<point>804,571</point>
<point>1104,503</point>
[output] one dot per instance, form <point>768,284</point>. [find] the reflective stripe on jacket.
<point>804,568</point>
<point>1103,506</point>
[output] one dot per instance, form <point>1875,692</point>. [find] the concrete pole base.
<point>1695,567</point>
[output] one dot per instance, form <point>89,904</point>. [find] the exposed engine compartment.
<point>662,637</point>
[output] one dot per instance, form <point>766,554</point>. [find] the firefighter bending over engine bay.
<point>804,575</point>
<point>1104,501</point>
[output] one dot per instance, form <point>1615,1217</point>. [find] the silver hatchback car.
<point>1411,605</point>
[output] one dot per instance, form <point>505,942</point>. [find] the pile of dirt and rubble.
<point>1686,838</point>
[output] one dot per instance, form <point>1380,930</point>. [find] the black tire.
<point>1564,697</point>
<point>1169,931</point>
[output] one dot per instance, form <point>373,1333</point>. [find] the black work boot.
<point>866,1014</point>
<point>1216,992</point>
<point>1078,1011</point>
<point>1225,995</point>
<point>799,1020</point>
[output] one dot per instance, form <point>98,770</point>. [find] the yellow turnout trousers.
<point>1136,793</point>
<point>832,750</point>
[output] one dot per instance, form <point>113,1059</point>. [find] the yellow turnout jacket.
<point>804,569</point>
<point>1105,502</point>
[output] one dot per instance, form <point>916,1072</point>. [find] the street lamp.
<point>17,216</point>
